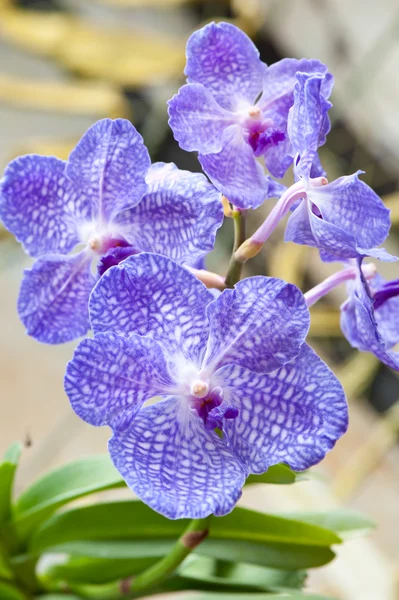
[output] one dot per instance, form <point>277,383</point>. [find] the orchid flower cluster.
<point>118,242</point>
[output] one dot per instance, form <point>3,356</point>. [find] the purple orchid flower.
<point>370,317</point>
<point>234,109</point>
<point>107,200</point>
<point>237,363</point>
<point>343,219</point>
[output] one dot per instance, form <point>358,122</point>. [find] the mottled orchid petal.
<point>235,171</point>
<point>379,253</point>
<point>298,228</point>
<point>327,257</point>
<point>149,294</point>
<point>110,164</point>
<point>197,120</point>
<point>178,217</point>
<point>260,324</point>
<point>386,309</point>
<point>293,415</point>
<point>387,321</point>
<point>53,301</point>
<point>317,169</point>
<point>353,206</point>
<point>360,330</point>
<point>111,376</point>
<point>277,99</point>
<point>280,79</point>
<point>349,325</point>
<point>279,157</point>
<point>40,206</point>
<point>331,238</point>
<point>199,263</point>
<point>308,122</point>
<point>175,465</point>
<point>274,188</point>
<point>225,61</point>
<point>360,326</point>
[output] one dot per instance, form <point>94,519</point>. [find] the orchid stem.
<point>235,266</point>
<point>252,246</point>
<point>322,289</point>
<point>195,533</point>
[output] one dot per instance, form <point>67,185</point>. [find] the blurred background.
<point>66,63</point>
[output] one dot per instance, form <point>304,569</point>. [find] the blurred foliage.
<point>90,550</point>
<point>124,58</point>
<point>77,97</point>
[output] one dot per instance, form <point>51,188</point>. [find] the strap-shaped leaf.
<point>279,596</point>
<point>346,523</point>
<point>248,524</point>
<point>278,474</point>
<point>213,574</point>
<point>134,520</point>
<point>7,473</point>
<point>80,569</point>
<point>124,530</point>
<point>57,597</point>
<point>271,554</point>
<point>123,520</point>
<point>197,573</point>
<point>60,486</point>
<point>278,555</point>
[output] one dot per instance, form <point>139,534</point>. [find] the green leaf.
<point>13,453</point>
<point>60,486</point>
<point>24,568</point>
<point>250,525</point>
<point>132,520</point>
<point>203,573</point>
<point>5,571</point>
<point>124,530</point>
<point>7,473</point>
<point>279,596</point>
<point>115,550</point>
<point>10,592</point>
<point>214,584</point>
<point>347,523</point>
<point>278,474</point>
<point>271,554</point>
<point>216,574</point>
<point>78,569</point>
<point>57,597</point>
<point>123,520</point>
<point>279,556</point>
<point>130,529</point>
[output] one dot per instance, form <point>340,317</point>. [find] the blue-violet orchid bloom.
<point>234,109</point>
<point>370,316</point>
<point>105,203</point>
<point>237,363</point>
<point>343,219</point>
